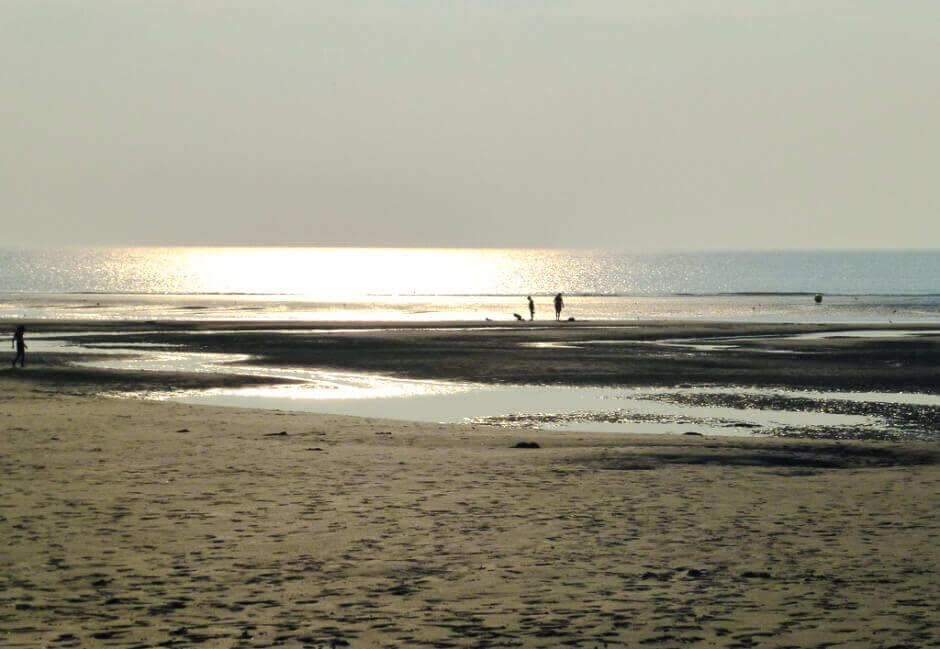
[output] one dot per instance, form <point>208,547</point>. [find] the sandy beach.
<point>128,523</point>
<point>469,325</point>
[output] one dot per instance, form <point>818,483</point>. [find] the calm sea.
<point>473,284</point>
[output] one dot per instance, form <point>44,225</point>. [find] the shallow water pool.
<point>717,410</point>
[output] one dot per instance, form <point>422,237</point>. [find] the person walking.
<point>20,346</point>
<point>531,308</point>
<point>559,305</point>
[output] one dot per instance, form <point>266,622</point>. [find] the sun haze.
<point>621,124</point>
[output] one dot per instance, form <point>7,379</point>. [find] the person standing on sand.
<point>531,308</point>
<point>20,345</point>
<point>559,305</point>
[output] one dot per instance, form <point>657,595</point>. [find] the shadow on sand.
<point>778,456</point>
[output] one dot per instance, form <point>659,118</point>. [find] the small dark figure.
<point>518,317</point>
<point>531,308</point>
<point>559,305</point>
<point>818,298</point>
<point>20,345</point>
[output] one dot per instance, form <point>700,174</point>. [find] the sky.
<point>623,124</point>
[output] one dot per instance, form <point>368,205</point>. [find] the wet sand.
<point>137,524</point>
<point>629,353</point>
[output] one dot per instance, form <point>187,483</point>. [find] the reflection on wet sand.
<point>725,410</point>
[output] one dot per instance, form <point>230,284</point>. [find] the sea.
<point>395,285</point>
<point>430,284</point>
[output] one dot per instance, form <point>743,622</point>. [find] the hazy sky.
<point>626,124</point>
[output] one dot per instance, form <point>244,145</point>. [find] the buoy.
<point>818,298</point>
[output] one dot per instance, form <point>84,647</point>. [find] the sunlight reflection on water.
<point>532,406</point>
<point>324,275</point>
<point>649,410</point>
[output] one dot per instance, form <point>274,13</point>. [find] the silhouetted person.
<point>531,308</point>
<point>559,305</point>
<point>20,345</point>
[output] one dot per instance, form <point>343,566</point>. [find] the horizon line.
<point>598,249</point>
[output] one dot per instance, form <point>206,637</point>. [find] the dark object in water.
<point>527,445</point>
<point>692,432</point>
<point>571,319</point>
<point>280,434</point>
<point>755,574</point>
<point>818,298</point>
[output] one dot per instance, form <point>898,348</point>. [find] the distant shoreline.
<point>427,310</point>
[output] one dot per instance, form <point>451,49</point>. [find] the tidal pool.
<point>523,406</point>
<point>715,410</point>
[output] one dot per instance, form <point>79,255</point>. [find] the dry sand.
<point>137,524</point>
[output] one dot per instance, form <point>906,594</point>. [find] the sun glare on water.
<point>333,273</point>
